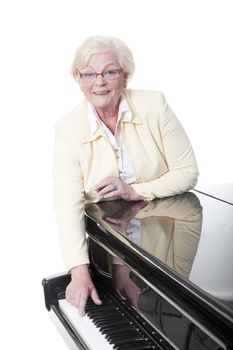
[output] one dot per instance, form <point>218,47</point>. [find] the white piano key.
<point>84,327</point>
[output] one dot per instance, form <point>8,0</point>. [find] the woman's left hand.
<point>115,187</point>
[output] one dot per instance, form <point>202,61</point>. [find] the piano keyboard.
<point>107,326</point>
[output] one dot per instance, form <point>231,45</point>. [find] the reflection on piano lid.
<point>168,229</point>
<point>152,264</point>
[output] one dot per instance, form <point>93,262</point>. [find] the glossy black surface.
<point>166,316</point>
<point>183,244</point>
<point>192,234</point>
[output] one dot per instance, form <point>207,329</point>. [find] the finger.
<point>108,190</point>
<point>99,187</point>
<point>112,194</point>
<point>105,190</point>
<point>71,298</point>
<point>102,184</point>
<point>95,297</point>
<point>81,305</point>
<point>105,182</point>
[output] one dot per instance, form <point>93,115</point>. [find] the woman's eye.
<point>88,75</point>
<point>110,72</point>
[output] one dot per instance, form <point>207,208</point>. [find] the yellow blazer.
<point>158,148</point>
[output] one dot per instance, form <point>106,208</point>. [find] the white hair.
<point>101,44</point>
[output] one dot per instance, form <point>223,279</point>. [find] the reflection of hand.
<point>115,187</point>
<point>121,219</point>
<point>80,287</point>
<point>124,285</point>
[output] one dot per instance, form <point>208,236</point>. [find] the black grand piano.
<point>164,272</point>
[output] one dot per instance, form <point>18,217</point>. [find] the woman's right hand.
<point>80,287</point>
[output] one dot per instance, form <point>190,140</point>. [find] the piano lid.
<point>223,192</point>
<point>190,235</point>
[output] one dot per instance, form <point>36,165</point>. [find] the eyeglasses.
<point>107,75</point>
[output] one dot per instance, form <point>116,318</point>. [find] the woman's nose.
<point>100,80</point>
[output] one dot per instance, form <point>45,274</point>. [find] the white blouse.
<point>126,171</point>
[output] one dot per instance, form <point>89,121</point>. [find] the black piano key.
<point>100,307</point>
<point>107,317</point>
<point>124,326</point>
<point>105,303</point>
<point>123,338</point>
<point>97,307</point>
<point>118,319</point>
<point>104,321</point>
<point>106,312</point>
<point>110,325</point>
<point>102,315</point>
<point>125,343</point>
<point>121,330</point>
<point>127,334</point>
<point>120,337</point>
<point>92,306</point>
<point>136,347</point>
<point>109,311</point>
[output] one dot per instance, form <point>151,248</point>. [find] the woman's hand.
<point>124,285</point>
<point>115,187</point>
<point>122,219</point>
<point>80,287</point>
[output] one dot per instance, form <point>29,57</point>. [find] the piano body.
<point>163,271</point>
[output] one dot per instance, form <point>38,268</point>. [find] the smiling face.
<point>102,93</point>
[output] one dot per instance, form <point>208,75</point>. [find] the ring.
<point>114,186</point>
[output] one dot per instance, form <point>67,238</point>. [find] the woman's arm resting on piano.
<point>80,287</point>
<point>113,186</point>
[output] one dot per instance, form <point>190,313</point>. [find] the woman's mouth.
<point>101,93</point>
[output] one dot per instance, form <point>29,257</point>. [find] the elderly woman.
<point>117,143</point>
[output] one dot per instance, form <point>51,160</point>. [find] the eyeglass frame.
<point>119,70</point>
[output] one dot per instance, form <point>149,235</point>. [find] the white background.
<point>183,48</point>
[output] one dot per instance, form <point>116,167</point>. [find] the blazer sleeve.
<point>178,154</point>
<point>69,199</point>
